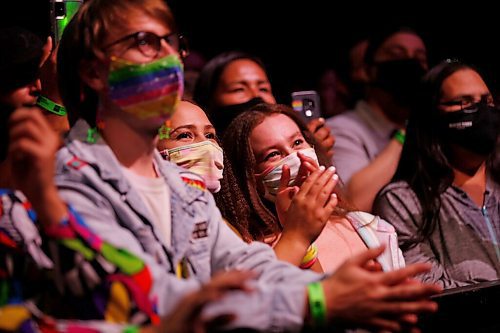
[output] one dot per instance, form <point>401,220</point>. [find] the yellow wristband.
<point>310,257</point>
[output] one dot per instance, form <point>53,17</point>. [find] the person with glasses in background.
<point>444,200</point>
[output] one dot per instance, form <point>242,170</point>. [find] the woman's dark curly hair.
<point>238,200</point>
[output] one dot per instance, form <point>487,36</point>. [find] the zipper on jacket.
<point>491,231</point>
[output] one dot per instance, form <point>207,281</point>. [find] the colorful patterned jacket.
<point>35,287</point>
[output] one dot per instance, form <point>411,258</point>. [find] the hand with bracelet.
<point>356,297</point>
<point>50,101</point>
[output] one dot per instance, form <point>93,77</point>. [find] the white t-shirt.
<point>156,196</point>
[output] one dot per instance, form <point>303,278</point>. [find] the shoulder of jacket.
<point>398,188</point>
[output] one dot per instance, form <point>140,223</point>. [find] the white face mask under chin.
<point>271,179</point>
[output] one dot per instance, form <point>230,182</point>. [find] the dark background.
<point>297,40</point>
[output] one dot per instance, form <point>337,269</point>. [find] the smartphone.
<point>306,103</point>
<point>61,12</point>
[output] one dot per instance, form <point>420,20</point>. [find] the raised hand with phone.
<point>307,105</point>
<point>61,12</point>
<point>233,82</point>
<point>49,101</point>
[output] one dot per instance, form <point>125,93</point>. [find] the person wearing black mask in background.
<point>235,81</point>
<point>369,138</point>
<point>444,200</point>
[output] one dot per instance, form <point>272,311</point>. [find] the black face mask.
<point>5,112</point>
<point>221,117</point>
<point>357,90</point>
<point>400,78</point>
<point>475,128</point>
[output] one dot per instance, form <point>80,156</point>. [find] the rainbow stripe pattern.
<point>131,281</point>
<point>148,91</point>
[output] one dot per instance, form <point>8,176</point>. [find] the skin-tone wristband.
<point>400,136</point>
<point>51,106</point>
<point>317,303</point>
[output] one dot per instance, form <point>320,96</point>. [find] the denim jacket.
<point>90,178</point>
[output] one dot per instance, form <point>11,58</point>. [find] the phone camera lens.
<point>59,9</point>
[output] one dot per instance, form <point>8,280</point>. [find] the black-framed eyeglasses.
<point>149,43</point>
<point>467,103</point>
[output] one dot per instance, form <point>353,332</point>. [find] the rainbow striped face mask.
<point>148,91</point>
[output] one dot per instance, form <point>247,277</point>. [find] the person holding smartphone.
<point>234,81</point>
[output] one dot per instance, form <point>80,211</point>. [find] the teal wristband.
<point>51,106</point>
<point>317,303</point>
<point>400,136</point>
<point>131,329</point>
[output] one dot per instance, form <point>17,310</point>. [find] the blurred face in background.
<point>242,80</point>
<point>402,45</point>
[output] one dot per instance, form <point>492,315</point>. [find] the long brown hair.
<point>424,163</point>
<point>83,40</point>
<point>238,200</point>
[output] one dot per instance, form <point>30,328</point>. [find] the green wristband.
<point>131,329</point>
<point>317,303</point>
<point>51,106</point>
<point>400,136</point>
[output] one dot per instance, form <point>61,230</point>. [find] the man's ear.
<point>92,74</point>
